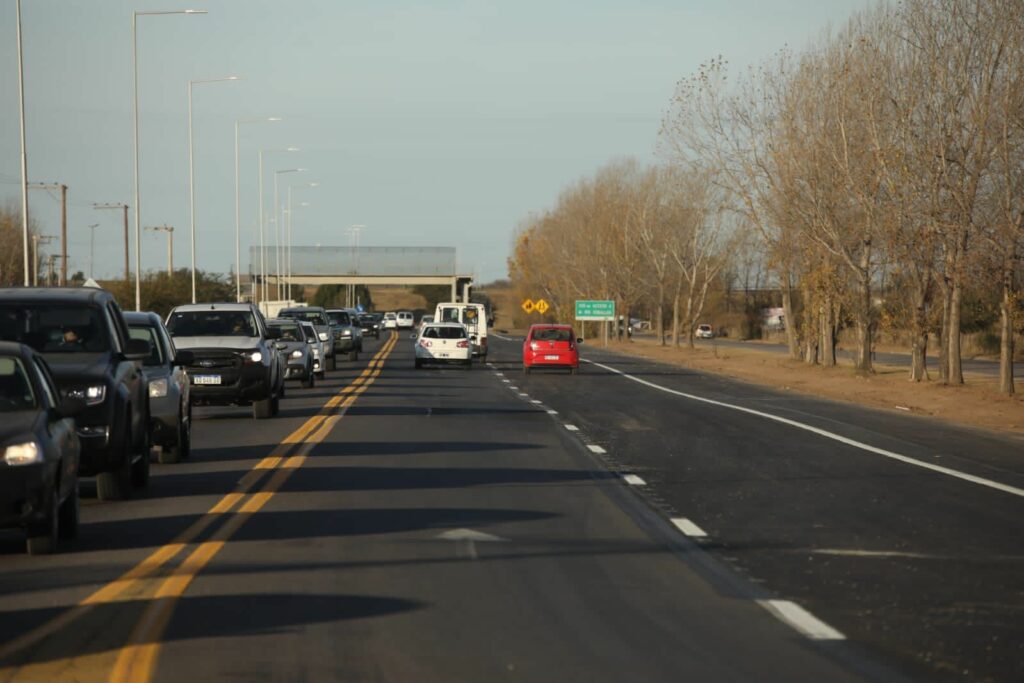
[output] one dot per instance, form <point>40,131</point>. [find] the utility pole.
<point>36,239</point>
<point>92,245</point>
<point>123,207</point>
<point>63,223</point>
<point>169,229</point>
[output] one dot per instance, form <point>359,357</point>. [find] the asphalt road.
<point>979,366</point>
<point>395,524</point>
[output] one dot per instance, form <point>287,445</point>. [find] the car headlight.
<point>346,333</point>
<point>323,336</point>
<point>296,354</point>
<point>92,395</point>
<point>252,356</point>
<point>28,453</point>
<point>316,353</point>
<point>158,388</point>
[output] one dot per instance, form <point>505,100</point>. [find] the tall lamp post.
<point>238,254</point>
<point>92,245</point>
<point>135,138</point>
<point>288,249</point>
<point>277,227</point>
<point>263,249</point>
<point>24,154</point>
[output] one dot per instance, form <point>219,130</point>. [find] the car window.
<point>289,332</point>
<point>338,318</point>
<point>49,389</point>
<point>15,388</point>
<point>469,316</point>
<point>552,334</point>
<point>212,324</point>
<point>148,334</point>
<point>315,317</point>
<point>449,315</point>
<point>439,332</point>
<point>55,328</point>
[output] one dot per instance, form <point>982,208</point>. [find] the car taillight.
<point>425,343</point>
<point>534,346</point>
<point>463,344</point>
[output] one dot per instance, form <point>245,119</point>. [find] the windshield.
<point>338,318</point>
<point>212,324</point>
<point>55,329</point>
<point>552,334</point>
<point>315,317</point>
<point>438,332</point>
<point>15,388</point>
<point>289,331</point>
<point>156,356</point>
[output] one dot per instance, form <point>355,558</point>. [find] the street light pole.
<point>277,228</point>
<point>288,249</point>
<point>124,208</point>
<point>191,174</point>
<point>263,251</point>
<point>24,154</point>
<point>169,229</point>
<point>135,139</point>
<point>238,253</point>
<point>92,246</point>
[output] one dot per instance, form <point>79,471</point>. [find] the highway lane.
<point>922,567</point>
<point>436,525</point>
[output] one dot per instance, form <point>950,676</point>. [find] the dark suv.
<point>234,358</point>
<point>83,337</point>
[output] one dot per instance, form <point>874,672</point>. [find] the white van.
<point>473,316</point>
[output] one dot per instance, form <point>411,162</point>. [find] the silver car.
<point>316,348</point>
<point>296,350</point>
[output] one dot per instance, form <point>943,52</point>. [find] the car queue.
<point>89,390</point>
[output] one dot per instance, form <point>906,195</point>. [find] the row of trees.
<point>879,174</point>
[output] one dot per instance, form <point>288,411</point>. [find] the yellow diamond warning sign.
<point>528,306</point>
<point>541,306</point>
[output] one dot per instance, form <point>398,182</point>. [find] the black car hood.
<point>18,423</point>
<point>68,368</point>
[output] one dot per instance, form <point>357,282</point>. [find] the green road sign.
<point>595,310</point>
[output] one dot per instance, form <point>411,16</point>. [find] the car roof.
<point>432,324</point>
<point>8,348</point>
<point>142,318</point>
<point>55,294</point>
<point>213,306</point>
<point>286,321</point>
<point>292,309</point>
<point>550,326</point>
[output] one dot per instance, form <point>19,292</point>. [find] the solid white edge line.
<point>801,620</point>
<point>594,448</point>
<point>1005,488</point>
<point>689,528</point>
<point>571,428</point>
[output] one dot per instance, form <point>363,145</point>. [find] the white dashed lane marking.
<point>633,480</point>
<point>689,528</point>
<point>572,428</point>
<point>595,448</point>
<point>801,620</point>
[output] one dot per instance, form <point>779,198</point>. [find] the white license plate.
<point>206,379</point>
<point>551,357</point>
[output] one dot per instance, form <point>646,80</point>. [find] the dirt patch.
<point>976,403</point>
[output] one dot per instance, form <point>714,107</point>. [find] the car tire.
<point>115,484</point>
<point>332,362</point>
<point>574,371</point>
<point>41,537</point>
<point>468,365</point>
<point>526,369</point>
<point>262,410</point>
<point>140,470</point>
<point>275,406</point>
<point>418,364</point>
<point>68,515</point>
<point>308,381</point>
<point>353,355</point>
<point>321,375</point>
<point>180,450</point>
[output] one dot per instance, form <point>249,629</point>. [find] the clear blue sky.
<point>433,123</point>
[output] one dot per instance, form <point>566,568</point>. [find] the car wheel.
<point>526,369</point>
<point>418,364</point>
<point>321,375</point>
<point>468,364</point>
<point>179,451</point>
<point>261,410</point>
<point>140,471</point>
<point>275,406</point>
<point>68,515</point>
<point>332,362</point>
<point>115,484</point>
<point>307,381</point>
<point>41,537</point>
<point>353,355</point>
<point>574,371</point>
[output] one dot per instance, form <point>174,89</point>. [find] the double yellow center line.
<point>136,661</point>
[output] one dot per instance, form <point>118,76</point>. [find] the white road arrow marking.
<point>466,540</point>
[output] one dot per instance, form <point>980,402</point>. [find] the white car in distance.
<point>405,320</point>
<point>443,343</point>
<point>705,332</point>
<point>390,320</point>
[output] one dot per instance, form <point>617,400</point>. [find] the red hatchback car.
<point>551,346</point>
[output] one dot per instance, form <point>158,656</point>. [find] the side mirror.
<point>137,349</point>
<point>579,340</point>
<point>184,358</point>
<point>311,341</point>
<point>273,333</point>
<point>69,406</point>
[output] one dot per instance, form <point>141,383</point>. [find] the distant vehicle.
<point>551,346</point>
<point>348,335</point>
<point>316,347</point>
<point>390,320</point>
<point>370,325</point>
<point>170,405</point>
<point>297,352</point>
<point>235,358</point>
<point>473,316</point>
<point>82,334</point>
<point>443,343</point>
<point>404,320</point>
<point>705,332</point>
<point>39,451</point>
<point>318,316</point>
<point>425,320</point>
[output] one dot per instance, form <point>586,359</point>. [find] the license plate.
<point>442,355</point>
<point>206,379</point>
<point>551,357</point>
